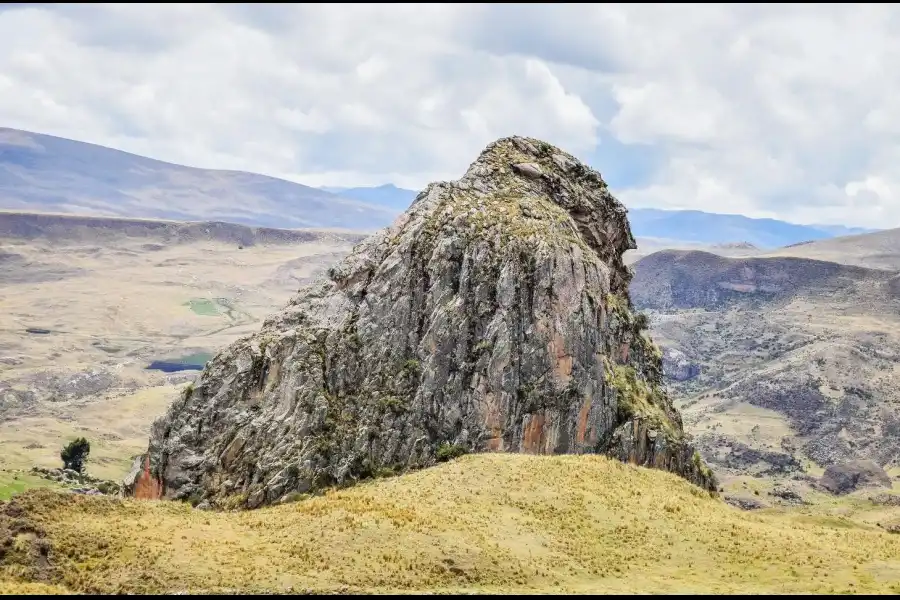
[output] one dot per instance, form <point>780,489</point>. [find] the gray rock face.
<point>745,503</point>
<point>894,286</point>
<point>492,316</point>
<point>847,477</point>
<point>886,499</point>
<point>677,366</point>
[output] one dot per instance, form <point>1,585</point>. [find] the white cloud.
<point>768,110</point>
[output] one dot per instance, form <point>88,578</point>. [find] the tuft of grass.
<point>447,452</point>
<point>637,398</point>
<point>490,523</point>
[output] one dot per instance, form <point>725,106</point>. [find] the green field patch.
<point>204,307</point>
<point>15,483</point>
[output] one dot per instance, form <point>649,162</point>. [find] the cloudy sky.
<point>791,111</point>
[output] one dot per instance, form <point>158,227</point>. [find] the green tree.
<point>75,454</point>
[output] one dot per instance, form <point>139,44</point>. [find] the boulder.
<point>850,476</point>
<point>677,366</point>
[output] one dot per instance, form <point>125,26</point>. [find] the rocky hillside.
<point>678,279</point>
<point>783,366</point>
<point>46,173</point>
<point>493,315</point>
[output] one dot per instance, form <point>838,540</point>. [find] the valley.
<point>449,299</point>
<point>782,366</point>
<point>795,361</point>
<point>102,321</point>
<point>105,320</point>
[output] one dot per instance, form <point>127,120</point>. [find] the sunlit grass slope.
<point>495,523</point>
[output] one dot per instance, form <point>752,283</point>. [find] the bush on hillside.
<point>75,454</point>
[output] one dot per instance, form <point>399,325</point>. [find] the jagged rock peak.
<point>493,315</point>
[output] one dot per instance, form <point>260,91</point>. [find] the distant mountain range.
<point>45,173</point>
<point>713,228</point>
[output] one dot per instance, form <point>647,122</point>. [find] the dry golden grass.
<point>31,589</point>
<point>114,306</point>
<point>488,523</point>
<point>117,428</point>
<point>136,303</point>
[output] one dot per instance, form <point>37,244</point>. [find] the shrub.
<point>110,488</point>
<point>447,452</point>
<point>641,321</point>
<point>75,454</point>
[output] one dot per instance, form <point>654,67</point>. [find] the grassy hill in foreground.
<point>489,523</point>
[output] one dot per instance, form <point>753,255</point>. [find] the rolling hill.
<point>388,195</point>
<point>877,250</point>
<point>488,523</point>
<point>712,228</point>
<point>43,173</point>
<point>46,227</point>
<point>680,279</point>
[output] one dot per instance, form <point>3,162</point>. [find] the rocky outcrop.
<point>80,483</point>
<point>677,366</point>
<point>894,287</point>
<point>851,476</point>
<point>745,503</point>
<point>885,499</point>
<point>492,316</point>
<point>140,483</point>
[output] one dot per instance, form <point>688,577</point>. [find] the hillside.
<point>878,250</point>
<point>388,195</point>
<point>62,228</point>
<point>713,228</point>
<point>673,279</point>
<point>101,319</point>
<point>490,523</point>
<point>51,174</point>
<point>794,360</point>
<point>45,173</point>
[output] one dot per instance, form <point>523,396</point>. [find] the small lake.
<point>191,362</point>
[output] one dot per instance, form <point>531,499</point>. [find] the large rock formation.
<point>851,476</point>
<point>492,316</point>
